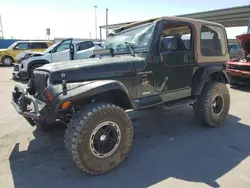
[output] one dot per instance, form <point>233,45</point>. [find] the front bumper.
<point>20,75</point>
<point>22,102</point>
<point>237,76</point>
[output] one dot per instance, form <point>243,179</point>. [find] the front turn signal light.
<point>65,105</point>
<point>48,95</point>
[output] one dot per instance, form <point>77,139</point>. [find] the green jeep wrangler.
<point>168,61</point>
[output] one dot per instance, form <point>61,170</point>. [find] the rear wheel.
<point>213,104</point>
<point>98,137</point>
<point>7,60</point>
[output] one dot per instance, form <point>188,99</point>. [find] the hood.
<point>244,41</point>
<point>92,69</point>
<point>27,54</point>
<point>3,50</point>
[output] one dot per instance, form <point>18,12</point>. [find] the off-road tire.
<point>203,106</point>
<point>80,128</point>
<point>33,68</point>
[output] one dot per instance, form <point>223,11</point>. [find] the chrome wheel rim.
<point>218,105</point>
<point>7,61</point>
<point>105,139</point>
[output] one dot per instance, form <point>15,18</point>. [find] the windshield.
<point>137,37</point>
<point>50,48</point>
<point>12,45</point>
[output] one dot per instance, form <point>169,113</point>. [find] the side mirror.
<point>53,50</point>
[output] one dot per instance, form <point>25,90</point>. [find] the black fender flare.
<point>202,75</point>
<point>39,61</point>
<point>86,90</point>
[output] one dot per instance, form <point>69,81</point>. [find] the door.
<point>20,47</point>
<point>63,52</point>
<point>85,50</point>
<point>174,67</point>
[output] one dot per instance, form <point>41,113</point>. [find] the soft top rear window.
<point>213,42</point>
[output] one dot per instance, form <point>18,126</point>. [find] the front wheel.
<point>98,137</point>
<point>213,104</point>
<point>33,68</point>
<point>7,61</point>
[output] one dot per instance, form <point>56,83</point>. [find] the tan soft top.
<point>174,18</point>
<point>197,23</point>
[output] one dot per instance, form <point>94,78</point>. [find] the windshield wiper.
<point>130,48</point>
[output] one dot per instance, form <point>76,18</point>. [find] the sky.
<point>28,19</point>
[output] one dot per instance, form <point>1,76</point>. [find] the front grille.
<point>16,68</point>
<point>240,67</point>
<point>40,80</point>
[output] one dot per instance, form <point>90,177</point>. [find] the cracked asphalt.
<point>169,150</point>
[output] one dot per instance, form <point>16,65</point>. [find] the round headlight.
<point>232,66</point>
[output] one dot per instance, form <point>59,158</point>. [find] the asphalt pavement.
<point>169,150</point>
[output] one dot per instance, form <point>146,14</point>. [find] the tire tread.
<point>78,125</point>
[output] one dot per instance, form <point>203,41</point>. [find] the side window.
<point>82,46</point>
<point>85,45</point>
<point>22,46</point>
<point>175,37</point>
<point>39,45</point>
<point>91,44</point>
<point>212,41</point>
<point>44,45</point>
<point>63,46</point>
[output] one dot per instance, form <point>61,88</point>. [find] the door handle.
<point>187,58</point>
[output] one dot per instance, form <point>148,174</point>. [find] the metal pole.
<point>95,23</point>
<point>100,33</point>
<point>1,26</point>
<point>248,28</point>
<point>89,35</point>
<point>106,22</point>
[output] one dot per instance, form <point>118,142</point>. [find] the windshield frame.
<point>48,50</point>
<point>150,25</point>
<point>11,47</point>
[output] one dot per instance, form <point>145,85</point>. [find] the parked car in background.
<point>8,56</point>
<point>62,51</point>
<point>239,69</point>
<point>235,50</point>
